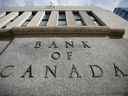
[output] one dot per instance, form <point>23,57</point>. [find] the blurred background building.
<point>122,12</point>
<point>122,9</point>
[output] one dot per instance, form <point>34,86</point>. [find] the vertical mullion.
<point>7,19</point>
<point>36,19</point>
<point>70,18</point>
<point>86,18</point>
<point>53,19</point>
<point>20,20</point>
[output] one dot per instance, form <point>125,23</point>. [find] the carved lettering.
<point>74,72</point>
<point>118,70</point>
<point>85,44</point>
<point>69,54</point>
<point>55,55</point>
<point>38,44</point>
<point>93,70</point>
<point>4,70</point>
<point>53,45</point>
<point>52,71</point>
<point>29,71</point>
<point>69,44</point>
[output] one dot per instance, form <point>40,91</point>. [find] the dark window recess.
<point>95,18</point>
<point>62,19</point>
<point>45,18</point>
<point>78,18</point>
<point>7,12</point>
<point>29,19</point>
<point>21,12</point>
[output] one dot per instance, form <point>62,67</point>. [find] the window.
<point>45,18</point>
<point>29,19</point>
<point>62,19</point>
<point>78,18</point>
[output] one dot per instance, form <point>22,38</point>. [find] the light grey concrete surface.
<point>109,54</point>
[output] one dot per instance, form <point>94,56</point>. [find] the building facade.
<point>63,51</point>
<point>63,18</point>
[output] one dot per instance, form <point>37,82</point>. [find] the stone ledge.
<point>101,31</point>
